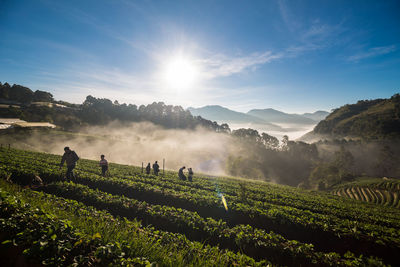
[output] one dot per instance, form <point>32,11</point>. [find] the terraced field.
<point>135,219</point>
<point>385,192</point>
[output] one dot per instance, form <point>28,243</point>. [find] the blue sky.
<point>295,56</point>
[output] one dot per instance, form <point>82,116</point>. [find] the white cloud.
<point>287,16</point>
<point>309,34</point>
<point>373,52</point>
<point>221,65</point>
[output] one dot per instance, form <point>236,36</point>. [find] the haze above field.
<point>295,56</point>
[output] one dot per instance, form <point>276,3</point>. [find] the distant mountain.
<point>225,115</point>
<point>276,116</point>
<point>317,115</point>
<point>218,113</point>
<point>367,119</point>
<point>261,119</point>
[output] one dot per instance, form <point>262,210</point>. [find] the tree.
<point>386,162</point>
<point>270,141</point>
<point>42,96</point>
<point>225,128</point>
<point>5,91</point>
<point>21,94</point>
<point>344,161</point>
<point>396,99</point>
<point>249,135</point>
<point>285,141</point>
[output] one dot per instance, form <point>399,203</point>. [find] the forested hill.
<point>17,101</point>
<point>367,119</point>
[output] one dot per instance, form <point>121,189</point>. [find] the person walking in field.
<point>156,168</point>
<point>181,174</point>
<point>104,165</point>
<point>148,168</point>
<point>190,176</point>
<point>70,157</point>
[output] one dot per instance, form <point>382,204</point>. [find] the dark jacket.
<point>148,168</point>
<point>181,174</point>
<point>156,167</point>
<point>70,157</point>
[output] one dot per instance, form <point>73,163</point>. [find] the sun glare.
<point>180,73</point>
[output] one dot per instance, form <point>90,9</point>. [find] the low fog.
<point>135,143</point>
<point>210,152</point>
<point>293,131</point>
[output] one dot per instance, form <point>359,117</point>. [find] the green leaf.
<point>77,243</point>
<point>96,235</point>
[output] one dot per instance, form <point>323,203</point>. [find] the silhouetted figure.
<point>70,157</point>
<point>181,174</point>
<point>104,165</point>
<point>190,176</point>
<point>156,168</point>
<point>148,168</point>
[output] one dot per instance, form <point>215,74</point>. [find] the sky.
<point>294,56</point>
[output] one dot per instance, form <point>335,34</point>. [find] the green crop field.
<point>134,219</point>
<point>385,192</point>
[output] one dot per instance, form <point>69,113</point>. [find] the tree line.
<point>23,95</point>
<point>320,165</point>
<point>96,111</point>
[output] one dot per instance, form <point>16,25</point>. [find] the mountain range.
<point>267,117</point>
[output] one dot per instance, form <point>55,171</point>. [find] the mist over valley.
<point>271,121</point>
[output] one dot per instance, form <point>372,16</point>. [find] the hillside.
<point>317,115</point>
<point>210,221</point>
<point>368,119</point>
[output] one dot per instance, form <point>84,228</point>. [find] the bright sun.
<point>180,73</point>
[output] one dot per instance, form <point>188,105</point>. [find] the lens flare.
<point>224,202</point>
<point>221,196</point>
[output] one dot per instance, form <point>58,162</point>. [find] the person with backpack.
<point>181,174</point>
<point>148,168</point>
<point>156,168</point>
<point>190,176</point>
<point>104,165</point>
<point>70,157</point>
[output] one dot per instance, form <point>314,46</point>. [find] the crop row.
<point>321,230</point>
<point>27,174</point>
<point>244,193</point>
<point>56,231</point>
<point>276,195</point>
<point>211,204</point>
<point>253,242</point>
<point>32,236</point>
<point>374,195</point>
